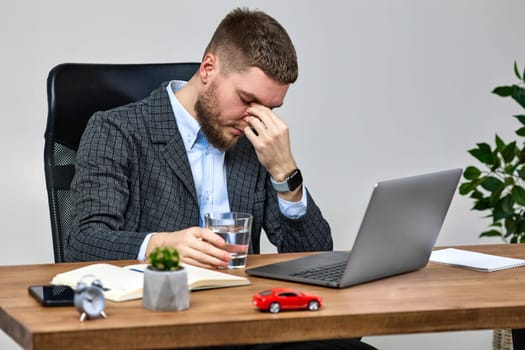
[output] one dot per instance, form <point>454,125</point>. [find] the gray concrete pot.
<point>166,290</point>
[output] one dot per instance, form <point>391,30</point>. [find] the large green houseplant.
<point>499,186</point>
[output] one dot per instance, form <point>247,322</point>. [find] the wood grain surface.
<point>436,298</point>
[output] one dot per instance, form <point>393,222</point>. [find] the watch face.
<point>291,183</point>
<point>91,301</point>
<point>295,180</point>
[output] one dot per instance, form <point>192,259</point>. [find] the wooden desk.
<point>436,298</point>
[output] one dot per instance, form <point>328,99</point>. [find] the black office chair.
<point>74,92</point>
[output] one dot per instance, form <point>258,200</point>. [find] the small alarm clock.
<point>89,299</point>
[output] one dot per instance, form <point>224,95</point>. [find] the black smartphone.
<point>52,295</point>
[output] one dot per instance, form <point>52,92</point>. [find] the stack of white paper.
<point>473,260</point>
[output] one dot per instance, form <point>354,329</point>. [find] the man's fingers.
<point>196,246</point>
<point>211,237</point>
<point>266,116</point>
<point>203,260</point>
<point>207,247</point>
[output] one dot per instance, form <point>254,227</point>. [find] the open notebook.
<point>125,283</point>
<point>474,260</point>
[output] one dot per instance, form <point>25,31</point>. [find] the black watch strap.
<point>294,180</point>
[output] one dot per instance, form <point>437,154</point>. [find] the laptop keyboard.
<point>330,273</point>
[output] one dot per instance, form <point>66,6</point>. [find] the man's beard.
<point>206,109</point>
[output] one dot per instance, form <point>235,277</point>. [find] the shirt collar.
<point>188,126</point>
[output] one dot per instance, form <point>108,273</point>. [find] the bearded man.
<point>146,173</point>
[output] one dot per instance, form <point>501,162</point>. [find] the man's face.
<point>221,107</point>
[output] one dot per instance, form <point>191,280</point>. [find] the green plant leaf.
<point>496,162</point>
<point>482,204</point>
<point>521,131</point>
<point>498,213</point>
<point>516,71</point>
<point>491,233</point>
<point>518,94</point>
<point>503,91</point>
<point>471,173</point>
<point>495,197</point>
<point>466,187</point>
<point>510,225</point>
<point>518,195</point>
<point>521,118</point>
<point>476,194</point>
<point>509,169</point>
<point>521,173</point>
<point>509,181</point>
<point>500,144</point>
<point>484,147</point>
<point>500,208</point>
<point>507,204</point>
<point>521,156</point>
<point>513,167</point>
<point>509,152</point>
<point>492,184</point>
<point>520,223</point>
<point>483,153</point>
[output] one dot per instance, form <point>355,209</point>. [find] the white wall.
<point>386,89</point>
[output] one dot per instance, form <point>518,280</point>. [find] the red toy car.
<point>277,299</point>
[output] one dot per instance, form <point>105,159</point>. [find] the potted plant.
<point>165,282</point>
<point>499,187</point>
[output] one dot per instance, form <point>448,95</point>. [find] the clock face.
<point>91,301</point>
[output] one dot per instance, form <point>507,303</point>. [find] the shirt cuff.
<point>142,251</point>
<point>293,210</point>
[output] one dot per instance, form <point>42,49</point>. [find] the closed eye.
<point>248,98</point>
<point>245,101</point>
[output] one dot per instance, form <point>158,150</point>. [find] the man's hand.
<point>197,246</point>
<point>270,137</point>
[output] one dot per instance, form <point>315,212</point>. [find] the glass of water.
<point>235,228</point>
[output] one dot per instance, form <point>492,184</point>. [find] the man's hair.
<point>247,39</point>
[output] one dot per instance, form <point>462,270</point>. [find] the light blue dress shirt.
<point>208,168</point>
<point>206,162</point>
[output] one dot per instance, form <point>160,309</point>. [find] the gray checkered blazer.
<point>133,177</point>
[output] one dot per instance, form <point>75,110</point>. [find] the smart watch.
<point>294,180</point>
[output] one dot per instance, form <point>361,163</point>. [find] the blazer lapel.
<point>164,130</point>
<point>241,161</point>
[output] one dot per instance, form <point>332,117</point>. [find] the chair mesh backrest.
<point>76,91</point>
<point>59,157</point>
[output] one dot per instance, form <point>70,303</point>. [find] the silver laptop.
<point>399,229</point>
